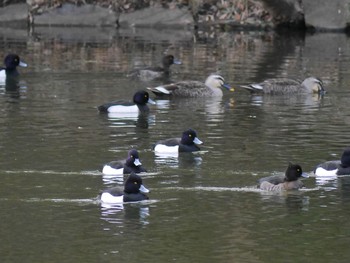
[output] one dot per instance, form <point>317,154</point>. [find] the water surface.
<point>203,207</point>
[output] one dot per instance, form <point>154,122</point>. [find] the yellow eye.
<point>190,135</point>
<point>135,182</point>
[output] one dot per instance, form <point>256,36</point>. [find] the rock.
<point>286,12</point>
<point>327,15</point>
<point>157,17</point>
<point>72,15</point>
<point>14,14</point>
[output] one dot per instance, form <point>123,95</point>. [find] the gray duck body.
<point>287,86</point>
<point>211,88</point>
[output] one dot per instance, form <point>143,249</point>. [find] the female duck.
<point>211,88</point>
<point>151,73</point>
<point>287,86</point>
<point>335,167</point>
<point>133,191</point>
<point>139,105</point>
<point>187,143</point>
<point>290,181</point>
<point>131,164</point>
<point>11,62</point>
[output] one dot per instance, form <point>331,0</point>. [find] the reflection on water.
<point>177,160</point>
<point>119,213</point>
<point>53,144</point>
<point>131,120</point>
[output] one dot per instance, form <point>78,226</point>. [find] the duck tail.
<point>252,87</point>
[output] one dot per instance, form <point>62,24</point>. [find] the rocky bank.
<point>258,14</point>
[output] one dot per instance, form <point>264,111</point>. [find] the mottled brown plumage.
<point>211,88</point>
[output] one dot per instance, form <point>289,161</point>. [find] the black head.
<point>133,158</point>
<point>141,97</point>
<point>345,158</point>
<point>169,60</point>
<point>294,172</point>
<point>189,137</point>
<point>133,154</point>
<point>133,185</point>
<point>12,61</point>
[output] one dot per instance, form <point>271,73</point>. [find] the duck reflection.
<point>307,101</point>
<point>211,109</point>
<point>13,87</point>
<point>142,121</point>
<point>119,213</point>
<point>294,201</point>
<point>176,160</point>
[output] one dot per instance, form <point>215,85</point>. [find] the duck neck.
<point>143,108</point>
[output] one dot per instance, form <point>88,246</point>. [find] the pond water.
<point>203,207</point>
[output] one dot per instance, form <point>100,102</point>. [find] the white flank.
<point>161,148</point>
<point>112,171</point>
<point>123,109</point>
<point>320,172</point>
<point>110,199</point>
<point>2,77</point>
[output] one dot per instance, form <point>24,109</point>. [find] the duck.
<point>11,61</point>
<point>139,104</point>
<point>279,86</point>
<point>289,181</point>
<point>187,143</point>
<point>151,73</point>
<point>131,164</point>
<point>133,191</point>
<point>211,88</point>
<point>335,167</point>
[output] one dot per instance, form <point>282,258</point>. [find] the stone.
<point>157,17</point>
<point>331,15</point>
<point>73,15</point>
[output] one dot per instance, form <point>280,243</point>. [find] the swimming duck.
<point>187,143</point>
<point>287,86</point>
<point>133,191</point>
<point>11,62</point>
<point>211,88</point>
<point>139,105</point>
<point>335,167</point>
<point>290,181</point>
<point>151,73</point>
<point>131,164</point>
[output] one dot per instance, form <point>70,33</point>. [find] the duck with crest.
<point>151,73</point>
<point>133,191</point>
<point>289,181</point>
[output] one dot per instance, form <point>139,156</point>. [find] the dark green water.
<point>203,207</point>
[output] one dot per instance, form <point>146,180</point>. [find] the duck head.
<point>169,60</point>
<point>217,81</point>
<point>294,172</point>
<point>142,97</point>
<point>190,137</point>
<point>12,61</point>
<point>133,158</point>
<point>314,84</point>
<point>133,185</point>
<point>345,158</point>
